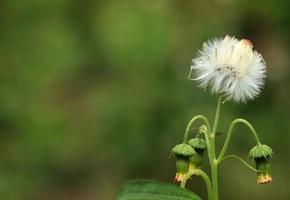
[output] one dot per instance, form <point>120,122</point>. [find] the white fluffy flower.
<point>230,67</point>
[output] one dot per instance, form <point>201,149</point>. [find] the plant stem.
<point>205,177</point>
<point>187,130</point>
<point>212,185</point>
<point>240,159</point>
<point>214,178</point>
<point>217,115</point>
<point>212,154</point>
<point>230,132</point>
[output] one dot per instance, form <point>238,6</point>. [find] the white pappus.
<point>230,67</point>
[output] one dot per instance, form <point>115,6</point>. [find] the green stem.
<point>217,115</point>
<point>240,159</point>
<point>212,154</point>
<point>230,132</point>
<point>214,178</point>
<point>188,127</point>
<point>205,177</point>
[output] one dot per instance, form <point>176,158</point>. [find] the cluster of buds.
<point>260,154</point>
<point>188,156</point>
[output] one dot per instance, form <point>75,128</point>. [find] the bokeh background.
<point>95,92</point>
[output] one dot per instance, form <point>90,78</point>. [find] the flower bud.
<point>264,171</point>
<point>198,144</point>
<point>260,154</point>
<point>182,153</point>
<point>195,161</point>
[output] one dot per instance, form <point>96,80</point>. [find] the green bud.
<point>182,167</point>
<point>264,171</point>
<point>260,154</point>
<point>183,150</point>
<point>198,144</point>
<point>260,151</point>
<point>195,161</point>
<point>182,153</point>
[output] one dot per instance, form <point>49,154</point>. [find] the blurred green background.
<point>94,93</point>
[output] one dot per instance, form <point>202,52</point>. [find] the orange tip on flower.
<point>179,176</point>
<point>264,179</point>
<point>248,42</point>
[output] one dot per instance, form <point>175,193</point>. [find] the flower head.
<point>261,154</point>
<point>260,151</point>
<point>182,153</point>
<point>230,67</point>
<point>198,144</point>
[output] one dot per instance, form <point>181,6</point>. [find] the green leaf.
<point>154,190</point>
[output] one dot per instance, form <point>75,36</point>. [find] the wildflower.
<point>182,153</point>
<point>230,67</point>
<point>261,154</point>
<point>199,145</point>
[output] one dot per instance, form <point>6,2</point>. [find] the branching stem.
<point>205,177</point>
<point>240,159</point>
<point>230,132</point>
<point>188,127</point>
<point>212,183</point>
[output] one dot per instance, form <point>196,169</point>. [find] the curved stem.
<point>187,130</point>
<point>240,159</point>
<point>230,132</point>
<point>205,177</point>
